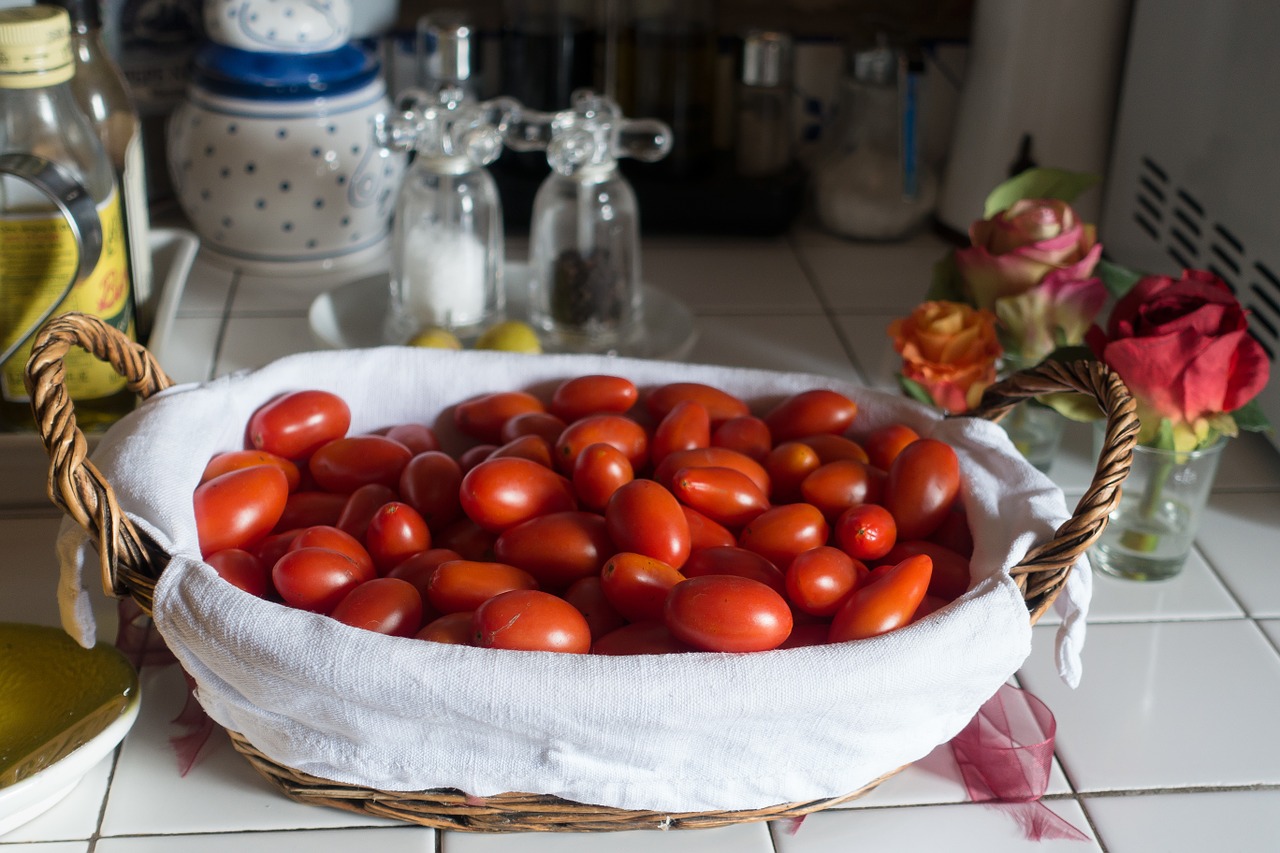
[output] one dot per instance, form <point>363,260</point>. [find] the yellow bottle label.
<point>37,258</point>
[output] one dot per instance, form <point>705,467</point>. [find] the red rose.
<point>1183,347</point>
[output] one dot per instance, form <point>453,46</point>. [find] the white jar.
<point>275,161</point>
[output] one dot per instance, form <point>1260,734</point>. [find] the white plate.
<point>24,801</point>
<point>352,316</point>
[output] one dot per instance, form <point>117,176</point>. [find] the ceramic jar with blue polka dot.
<point>274,159</point>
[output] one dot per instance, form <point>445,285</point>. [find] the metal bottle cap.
<point>35,47</point>
<point>445,42</point>
<point>766,58</point>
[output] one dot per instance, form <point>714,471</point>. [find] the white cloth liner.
<point>692,732</point>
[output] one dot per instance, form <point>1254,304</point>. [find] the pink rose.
<point>1183,347</point>
<point>1014,250</point>
<point>1057,312</point>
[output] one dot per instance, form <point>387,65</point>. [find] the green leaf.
<point>1117,279</point>
<point>1251,417</point>
<point>1038,183</point>
<point>916,391</point>
<point>1073,406</point>
<point>947,285</point>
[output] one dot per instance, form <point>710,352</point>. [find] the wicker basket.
<point>131,565</point>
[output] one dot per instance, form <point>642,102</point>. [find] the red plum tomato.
<point>600,470</point>
<point>531,620</point>
<point>885,604</point>
<point>720,405</point>
<point>557,548</point>
<point>727,613</point>
<point>395,533</point>
<point>921,486</point>
<point>593,394</point>
<point>296,424</point>
<point>242,569</point>
<point>819,580</point>
<point>382,605</point>
<point>501,493</point>
<point>316,579</point>
<point>781,533</point>
<point>482,417</point>
<point>466,584</point>
<point>232,460</point>
<point>811,412</point>
<point>637,585</point>
<point>645,518</point>
<point>240,507</point>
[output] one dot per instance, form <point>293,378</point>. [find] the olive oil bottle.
<point>39,253</point>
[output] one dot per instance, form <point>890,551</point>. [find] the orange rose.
<point>950,349</point>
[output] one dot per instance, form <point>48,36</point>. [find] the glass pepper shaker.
<point>447,238</point>
<point>585,233</point>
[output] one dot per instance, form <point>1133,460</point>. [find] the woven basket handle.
<point>75,484</point>
<point>1044,570</point>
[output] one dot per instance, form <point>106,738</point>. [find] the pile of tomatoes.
<point>599,520</point>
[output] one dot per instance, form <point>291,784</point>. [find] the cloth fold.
<point>690,732</point>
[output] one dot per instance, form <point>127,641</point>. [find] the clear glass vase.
<point>1149,534</point>
<point>1034,428</point>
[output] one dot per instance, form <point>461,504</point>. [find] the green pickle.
<point>57,696</point>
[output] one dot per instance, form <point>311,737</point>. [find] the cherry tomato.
<point>950,578</point>
<point>382,605</point>
<point>418,568</point>
<point>466,584</point>
<point>720,405</point>
<point>587,594</point>
<point>232,460</point>
<point>725,495</point>
<point>923,483</point>
<point>473,456</point>
<point>396,532</point>
<point>645,518</point>
<point>592,395</point>
<point>532,447</point>
<point>309,508</point>
<point>429,483</point>
<point>705,457</point>
<point>345,464</point>
<point>238,508</point>
<point>273,547</point>
<point>732,560</point>
<point>640,638</point>
<point>866,531</point>
<point>419,438</point>
<point>316,579</point>
<point>360,507</point>
<point>242,569</point>
<point>807,634</point>
<point>746,434</point>
<point>883,444</point>
<point>705,533</point>
<point>686,427</point>
<point>294,425</point>
<point>557,548</point>
<point>619,431</point>
<point>466,537</point>
<point>819,410</point>
<point>531,620</point>
<point>954,532</point>
<point>452,628</point>
<point>831,448</point>
<point>482,417</point>
<point>884,605</point>
<point>501,493</point>
<point>787,465</point>
<point>637,585</point>
<point>838,485</point>
<point>781,533</point>
<point>727,613</point>
<point>544,424</point>
<point>819,580</point>
<point>335,539</point>
<point>601,469</point>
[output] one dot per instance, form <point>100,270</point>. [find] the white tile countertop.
<point>1170,742</point>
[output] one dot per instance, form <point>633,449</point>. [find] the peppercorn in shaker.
<point>585,235</point>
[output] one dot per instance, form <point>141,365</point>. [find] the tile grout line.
<point>828,311</point>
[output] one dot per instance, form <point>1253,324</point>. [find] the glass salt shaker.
<point>447,238</point>
<point>585,232</point>
<point>871,183</point>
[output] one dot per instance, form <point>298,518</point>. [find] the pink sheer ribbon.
<point>1005,754</point>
